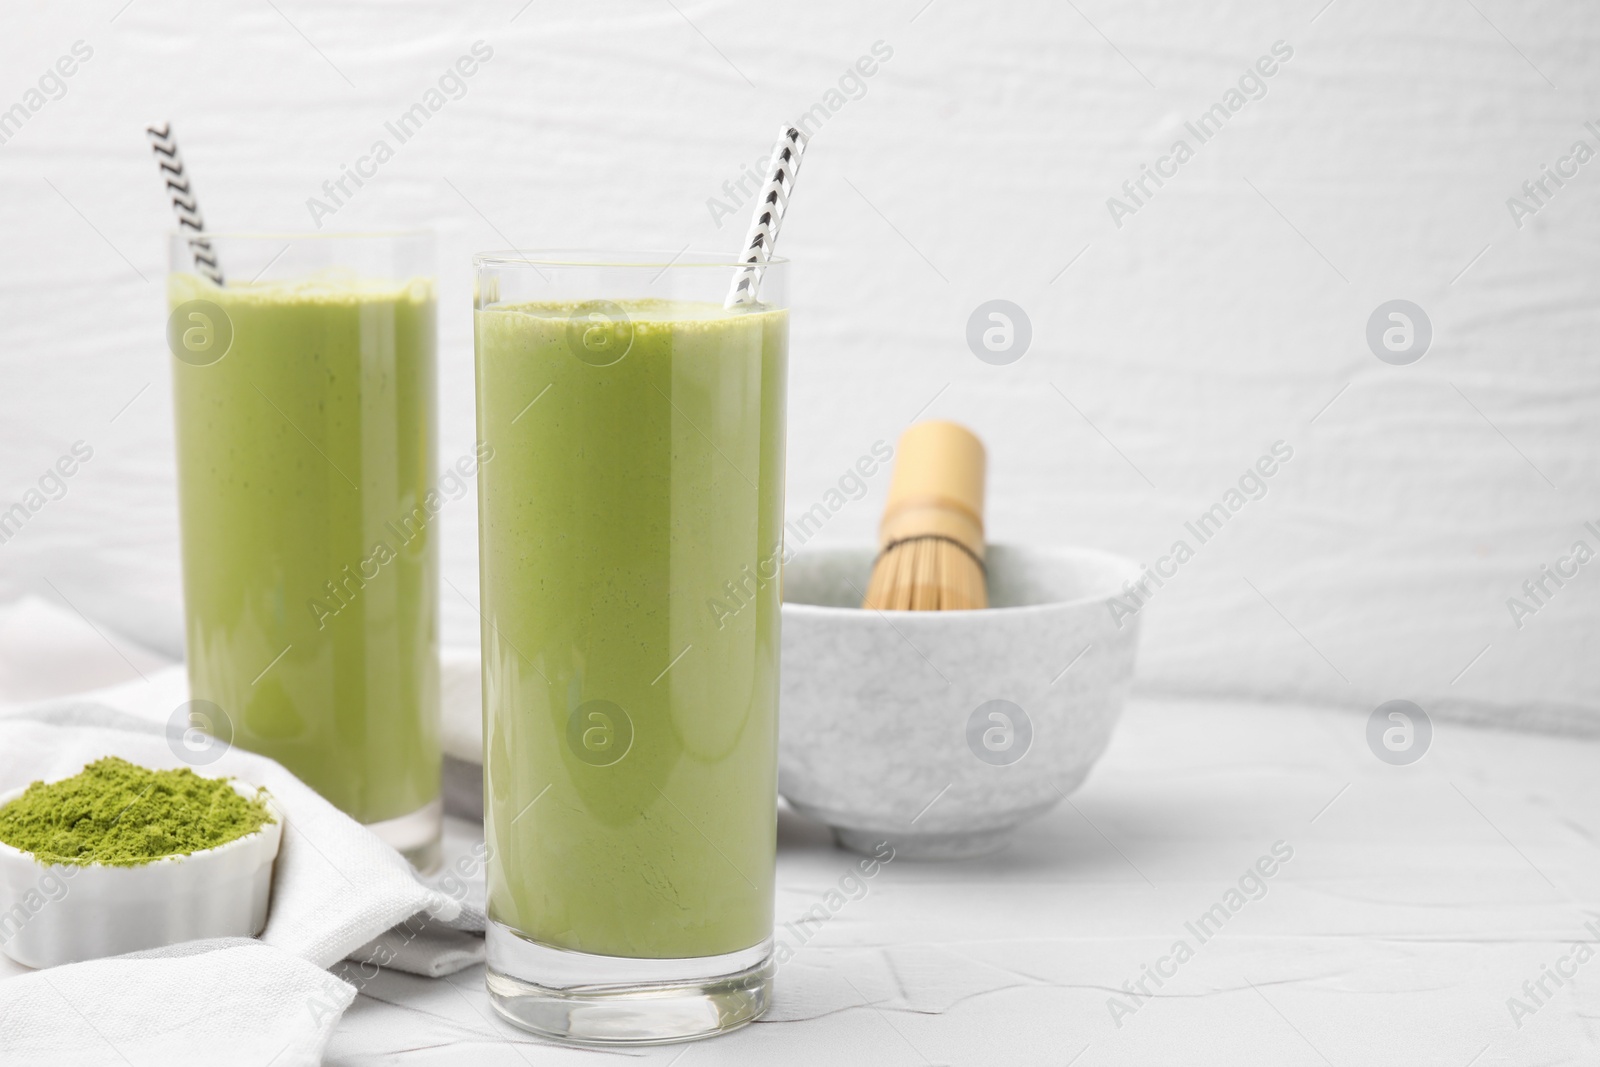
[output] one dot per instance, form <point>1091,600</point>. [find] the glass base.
<point>615,1000</point>
<point>415,836</point>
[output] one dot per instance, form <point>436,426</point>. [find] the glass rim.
<point>612,259</point>
<point>187,236</point>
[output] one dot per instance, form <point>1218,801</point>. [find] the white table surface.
<point>1418,900</point>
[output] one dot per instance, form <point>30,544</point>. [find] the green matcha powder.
<point>120,814</point>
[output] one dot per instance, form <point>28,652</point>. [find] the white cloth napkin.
<point>230,1001</point>
<point>338,892</point>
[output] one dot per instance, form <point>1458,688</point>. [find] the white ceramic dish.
<point>54,914</point>
<point>941,731</point>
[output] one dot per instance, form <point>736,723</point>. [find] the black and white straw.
<point>757,249</point>
<point>184,204</point>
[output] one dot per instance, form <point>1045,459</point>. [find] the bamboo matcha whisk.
<point>931,537</point>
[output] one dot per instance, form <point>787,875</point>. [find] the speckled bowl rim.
<point>1059,553</point>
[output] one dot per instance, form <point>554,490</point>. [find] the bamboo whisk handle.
<point>931,537</point>
<point>937,487</point>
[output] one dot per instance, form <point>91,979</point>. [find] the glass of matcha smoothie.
<point>630,538</point>
<point>303,394</point>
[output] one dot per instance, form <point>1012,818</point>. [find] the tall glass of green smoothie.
<point>630,535</point>
<point>304,398</point>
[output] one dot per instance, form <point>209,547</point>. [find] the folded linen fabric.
<point>232,1000</point>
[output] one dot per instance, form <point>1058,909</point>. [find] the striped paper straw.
<point>184,204</point>
<point>757,250</point>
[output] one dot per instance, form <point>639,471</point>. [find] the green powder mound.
<point>120,814</point>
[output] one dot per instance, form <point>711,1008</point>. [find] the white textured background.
<point>1224,316</point>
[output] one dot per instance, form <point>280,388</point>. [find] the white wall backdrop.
<point>1227,312</point>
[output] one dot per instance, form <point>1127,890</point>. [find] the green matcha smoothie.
<point>630,531</point>
<point>305,460</point>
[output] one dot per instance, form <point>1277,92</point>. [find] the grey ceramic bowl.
<point>941,731</point>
